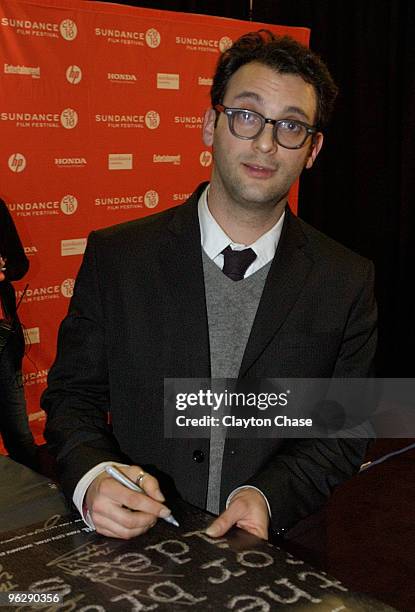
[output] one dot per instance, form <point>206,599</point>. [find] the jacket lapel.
<point>290,267</point>
<point>181,263</point>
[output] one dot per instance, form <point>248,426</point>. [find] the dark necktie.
<point>237,262</point>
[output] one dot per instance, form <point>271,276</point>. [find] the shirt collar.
<point>214,239</point>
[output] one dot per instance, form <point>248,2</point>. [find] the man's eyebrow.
<point>297,110</point>
<point>252,95</point>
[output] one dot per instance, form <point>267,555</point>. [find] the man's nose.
<point>266,142</point>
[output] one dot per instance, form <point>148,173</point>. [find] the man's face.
<point>259,173</point>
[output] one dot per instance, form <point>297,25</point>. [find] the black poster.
<point>168,568</point>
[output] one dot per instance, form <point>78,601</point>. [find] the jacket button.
<point>198,456</point>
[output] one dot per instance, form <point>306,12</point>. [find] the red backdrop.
<point>101,111</point>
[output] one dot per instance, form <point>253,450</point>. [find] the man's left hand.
<point>247,510</point>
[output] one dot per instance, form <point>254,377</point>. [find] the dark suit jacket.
<point>138,315</point>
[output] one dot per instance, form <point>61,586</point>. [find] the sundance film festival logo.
<point>125,202</point>
<point>212,45</point>
<point>123,37</point>
<point>36,377</point>
<point>181,197</point>
<point>69,204</point>
<point>27,27</point>
<point>73,74</point>
<point>189,121</point>
<point>34,209</point>
<point>67,287</point>
<point>115,120</point>
<point>68,29</point>
<point>39,294</point>
<point>17,162</point>
<point>225,43</point>
<point>151,198</point>
<point>153,38</point>
<point>120,202</point>
<point>205,158</point>
<point>152,119</point>
<point>69,118</point>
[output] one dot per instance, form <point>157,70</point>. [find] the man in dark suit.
<point>166,297</point>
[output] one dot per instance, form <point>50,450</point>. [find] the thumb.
<point>222,524</point>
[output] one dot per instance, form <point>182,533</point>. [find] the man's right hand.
<point>119,512</point>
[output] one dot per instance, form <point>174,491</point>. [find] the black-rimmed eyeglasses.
<point>248,125</point>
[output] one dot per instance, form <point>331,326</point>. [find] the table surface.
<point>168,568</point>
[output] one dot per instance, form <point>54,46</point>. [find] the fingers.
<point>119,512</point>
<point>148,483</point>
<point>123,523</point>
<point>247,510</point>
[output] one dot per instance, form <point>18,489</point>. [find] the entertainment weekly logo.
<point>45,208</point>
<point>151,120</point>
<point>67,119</point>
<point>167,159</point>
<point>205,81</point>
<point>149,199</point>
<point>66,29</point>
<point>33,71</point>
<point>204,45</point>
<point>115,36</point>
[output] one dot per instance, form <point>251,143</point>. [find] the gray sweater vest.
<point>231,308</point>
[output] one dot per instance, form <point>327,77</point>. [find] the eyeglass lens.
<point>249,125</point>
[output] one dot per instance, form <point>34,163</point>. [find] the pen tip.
<point>173,521</point>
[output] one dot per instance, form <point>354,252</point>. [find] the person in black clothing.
<point>14,426</point>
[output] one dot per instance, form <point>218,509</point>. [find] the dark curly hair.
<point>283,54</point>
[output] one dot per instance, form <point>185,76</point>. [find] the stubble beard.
<point>249,197</point>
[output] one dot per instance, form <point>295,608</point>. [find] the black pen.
<point>124,480</point>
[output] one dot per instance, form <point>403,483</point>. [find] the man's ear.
<point>314,149</point>
<point>209,121</point>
